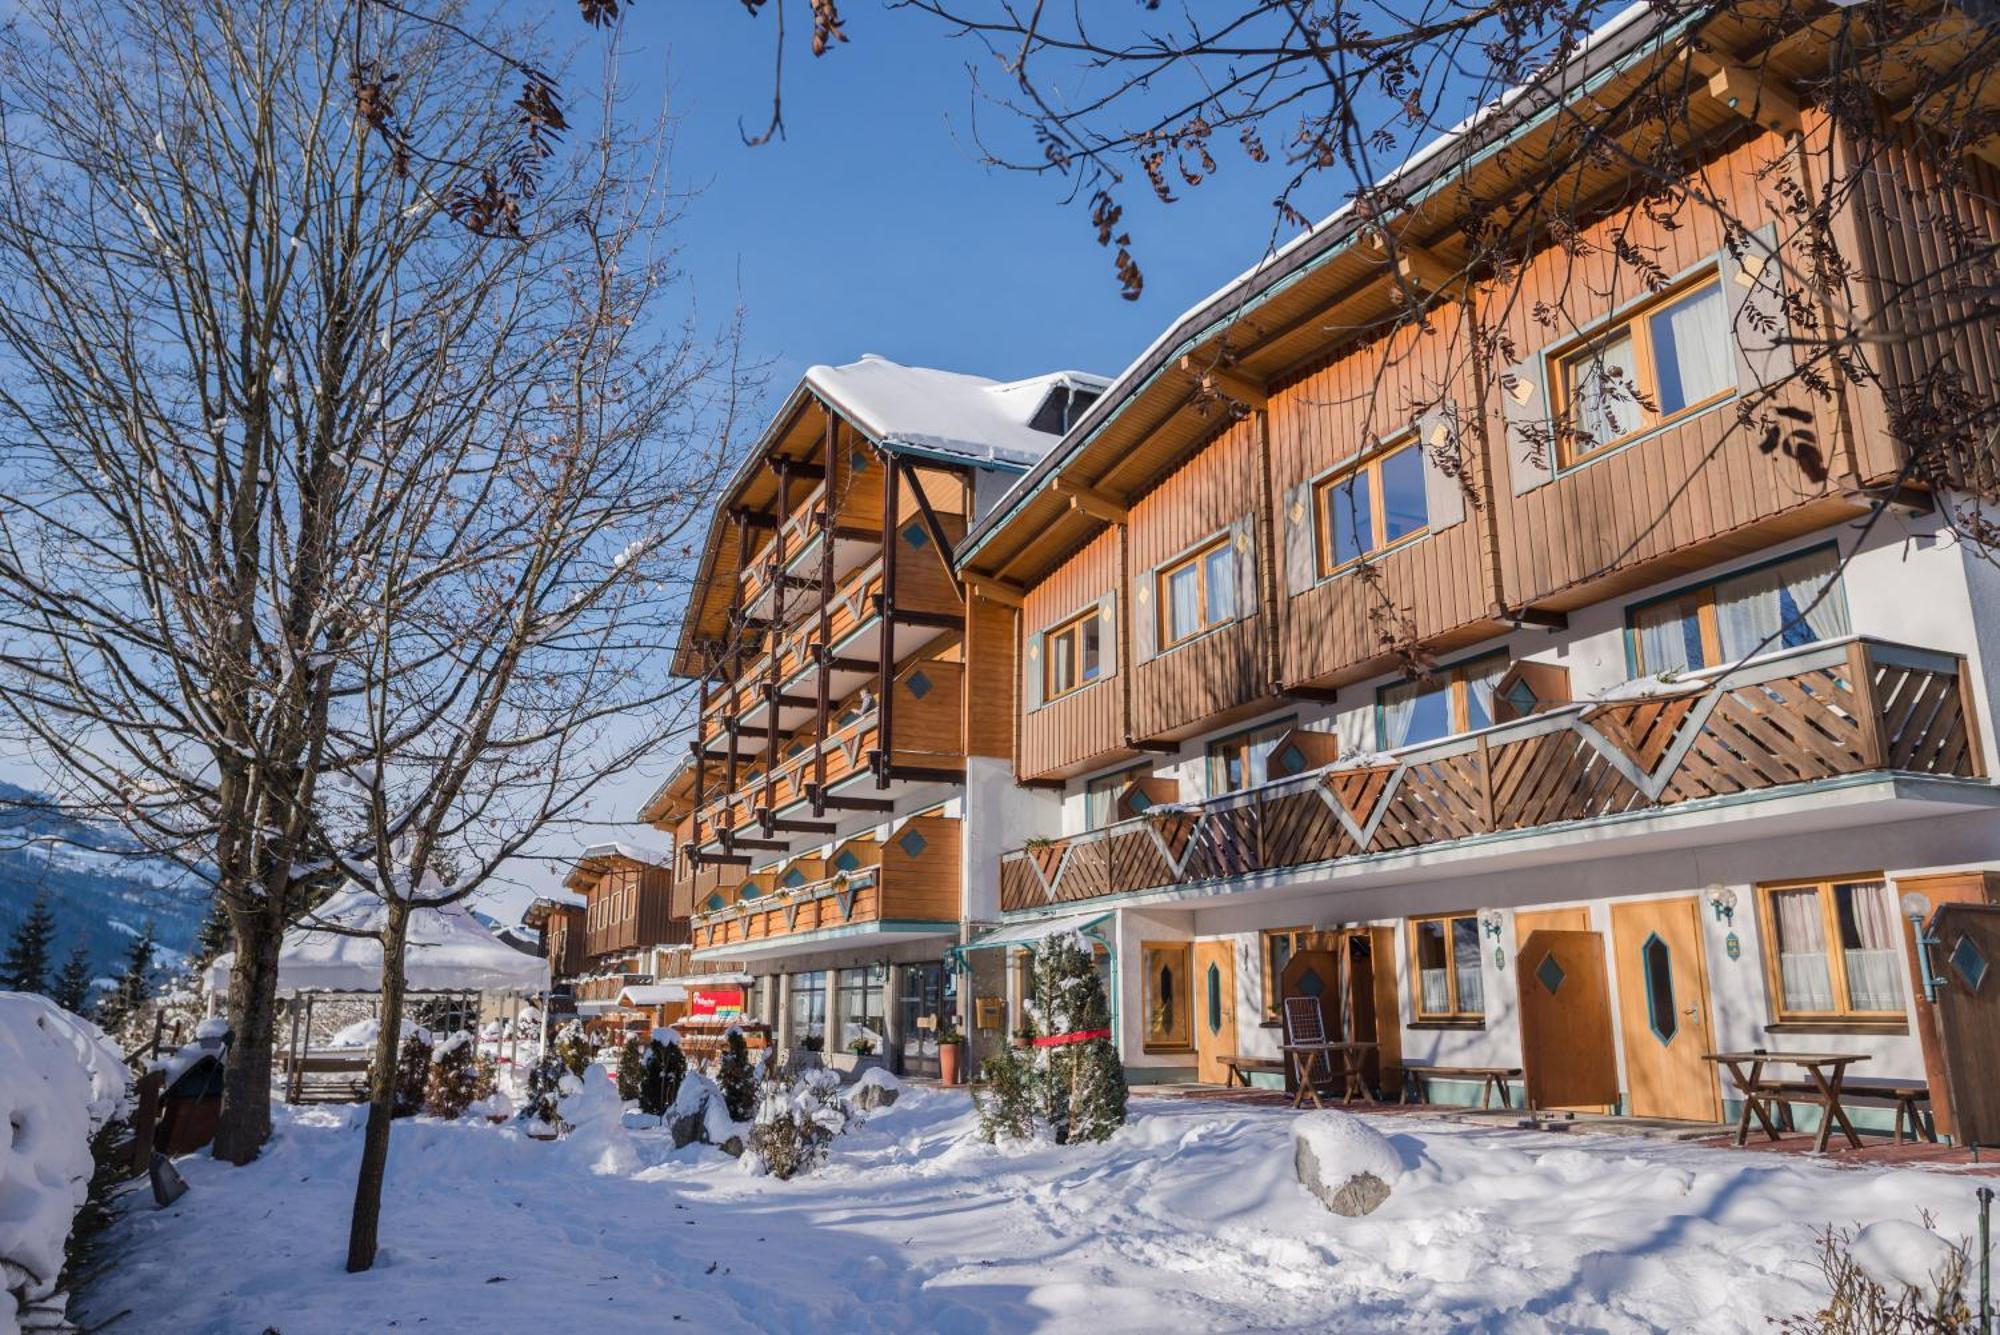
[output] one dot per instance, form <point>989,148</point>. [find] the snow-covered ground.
<point>1190,1219</point>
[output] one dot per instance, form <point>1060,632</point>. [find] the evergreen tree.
<point>455,1078</point>
<point>660,1077</point>
<point>212,940</point>
<point>25,967</point>
<point>631,1070</point>
<point>413,1073</point>
<point>737,1079</point>
<point>135,985</point>
<point>72,985</point>
<point>1080,1082</point>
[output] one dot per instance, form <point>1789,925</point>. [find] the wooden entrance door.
<point>1567,1052</point>
<point>1527,922</point>
<point>1214,1009</point>
<point>1967,958</point>
<point>1663,1010</point>
<point>1313,972</point>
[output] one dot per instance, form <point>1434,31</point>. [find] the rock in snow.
<point>876,1088</point>
<point>1346,1163</point>
<point>63,1079</point>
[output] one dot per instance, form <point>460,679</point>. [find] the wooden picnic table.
<point>1306,1056</point>
<point>1824,1070</point>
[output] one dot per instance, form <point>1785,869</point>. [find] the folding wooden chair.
<point>1307,1047</point>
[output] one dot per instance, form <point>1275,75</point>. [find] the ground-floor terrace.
<point>1190,1218</point>
<point>1610,971</point>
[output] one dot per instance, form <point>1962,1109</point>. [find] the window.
<point>861,1008</point>
<point>1780,605</point>
<point>1451,700</point>
<point>1674,356</point>
<point>1197,592</point>
<point>808,1006</point>
<point>1167,993</point>
<point>1372,507</point>
<point>1279,945</point>
<point>1071,655</point>
<point>1449,984</point>
<point>1834,949</point>
<point>1242,760</point>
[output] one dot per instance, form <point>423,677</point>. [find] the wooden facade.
<point>627,904</point>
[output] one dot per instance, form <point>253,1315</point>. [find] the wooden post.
<point>292,1056</point>
<point>145,1122</point>
<point>1968,710</point>
<point>701,746</point>
<point>823,646</point>
<point>1487,816</point>
<point>772,678</point>
<point>886,669</point>
<point>1861,679</point>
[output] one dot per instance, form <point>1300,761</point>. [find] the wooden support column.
<point>823,645</point>
<point>772,679</point>
<point>892,472</point>
<point>700,745</point>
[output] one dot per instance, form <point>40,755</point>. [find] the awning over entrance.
<point>1039,929</point>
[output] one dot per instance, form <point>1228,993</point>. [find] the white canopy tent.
<point>449,951</point>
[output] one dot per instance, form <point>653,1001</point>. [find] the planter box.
<point>852,1065</point>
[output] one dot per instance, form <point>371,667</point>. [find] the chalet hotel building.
<point>1369,638</point>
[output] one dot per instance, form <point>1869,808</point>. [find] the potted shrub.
<point>951,1056</point>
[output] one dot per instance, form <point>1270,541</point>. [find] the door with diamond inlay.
<point>1568,1057</point>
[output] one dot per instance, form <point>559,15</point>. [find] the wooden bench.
<point>1492,1081</point>
<point>1237,1068</point>
<point>1910,1099</point>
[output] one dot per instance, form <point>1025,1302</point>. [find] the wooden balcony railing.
<point>1845,707</point>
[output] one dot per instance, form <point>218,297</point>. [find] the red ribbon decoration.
<point>1063,1040</point>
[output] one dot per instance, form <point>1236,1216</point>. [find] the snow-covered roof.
<point>652,857</point>
<point>448,951</point>
<point>946,411</point>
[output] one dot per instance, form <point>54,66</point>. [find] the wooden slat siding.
<point>1770,726</point>
<point>657,923</point>
<point>1437,583</point>
<point>1694,490</point>
<point>891,883</point>
<point>1087,725</point>
<point>989,695</point>
<point>1910,227</point>
<point>1221,670</point>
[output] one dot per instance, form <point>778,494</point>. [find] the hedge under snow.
<point>64,1081</point>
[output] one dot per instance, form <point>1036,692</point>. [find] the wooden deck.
<point>1824,711</point>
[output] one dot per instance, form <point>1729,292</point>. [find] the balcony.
<point>899,888</point>
<point>925,745</point>
<point>1774,725</point>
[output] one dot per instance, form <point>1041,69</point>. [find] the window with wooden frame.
<point>1072,654</point>
<point>1241,760</point>
<point>1374,505</point>
<point>1197,592</point>
<point>1444,966</point>
<point>1783,604</point>
<point>1168,996</point>
<point>1833,949</point>
<point>1671,357</point>
<point>1100,796</point>
<point>1451,700</point>
<point>1277,946</point>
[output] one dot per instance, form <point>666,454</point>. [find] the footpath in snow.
<point>1191,1218</point>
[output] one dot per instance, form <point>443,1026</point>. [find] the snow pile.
<point>1648,688</point>
<point>64,1081</point>
<point>1899,1253</point>
<point>597,1139</point>
<point>361,1034</point>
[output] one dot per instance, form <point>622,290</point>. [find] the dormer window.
<point>1061,409</point>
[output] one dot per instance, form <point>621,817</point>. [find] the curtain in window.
<point>1697,357</point>
<point>1747,613</point>
<point>1465,962</point>
<point>1803,579</point>
<point>1221,577</point>
<point>1604,382</point>
<point>1480,679</point>
<point>1399,706</point>
<point>1871,947</point>
<point>1802,972</point>
<point>1437,997</point>
<point>1663,638</point>
<point>1184,605</point>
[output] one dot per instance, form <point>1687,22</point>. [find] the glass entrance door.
<point>923,1004</point>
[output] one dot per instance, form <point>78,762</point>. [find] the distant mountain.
<point>102,888</point>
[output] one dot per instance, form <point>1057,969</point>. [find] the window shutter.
<point>1031,671</point>
<point>1107,634</point>
<point>1243,537</point>
<point>1444,493</point>
<point>1300,529</point>
<point>1531,446</point>
<point>1754,285</point>
<point>1145,618</point>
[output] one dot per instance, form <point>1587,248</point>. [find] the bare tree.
<point>251,253</point>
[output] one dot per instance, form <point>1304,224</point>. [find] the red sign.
<point>722,1002</point>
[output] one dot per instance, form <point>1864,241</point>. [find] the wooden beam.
<point>1149,744</point>
<point>1325,695</point>
<point>910,616</point>
<point>1535,616</point>
<point>796,467</point>
<point>994,590</point>
<point>1759,96</point>
<point>1225,382</point>
<point>801,826</point>
<point>720,859</point>
<point>1093,503</point>
<point>1045,785</point>
<point>763,845</point>
<point>842,663</point>
<point>749,520</point>
<point>924,774</point>
<point>836,802</point>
